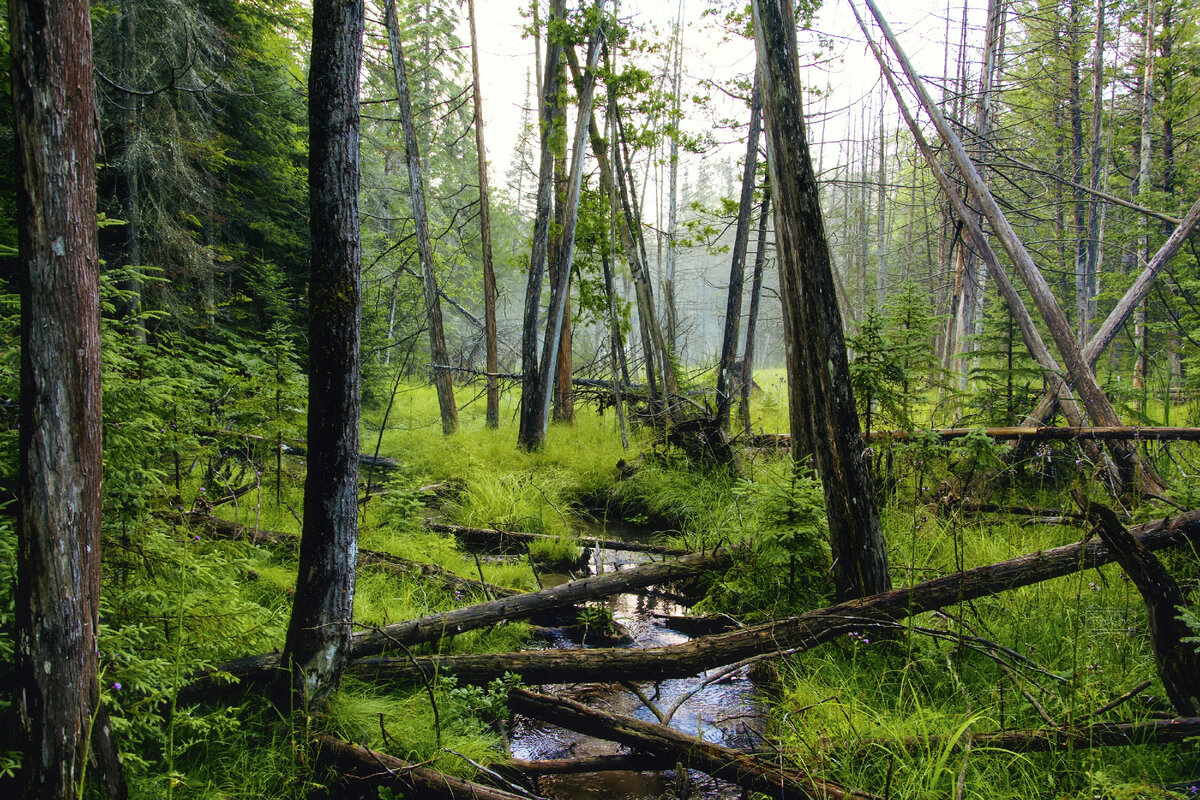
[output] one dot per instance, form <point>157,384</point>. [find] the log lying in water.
<point>747,771</point>
<point>1044,740</point>
<point>489,536</point>
<point>369,771</point>
<point>805,631</point>
<point>1024,434</point>
<point>258,669</point>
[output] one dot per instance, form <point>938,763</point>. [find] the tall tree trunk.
<point>1134,472</point>
<point>318,634</point>
<point>726,381</point>
<point>531,433</point>
<point>560,291</point>
<point>760,258</point>
<point>485,239</point>
<point>672,312</point>
<point>823,385</point>
<point>1079,199</point>
<point>1096,209</point>
<point>438,353</point>
<point>127,177</point>
<point>880,262</point>
<point>58,516</point>
<point>1143,185</point>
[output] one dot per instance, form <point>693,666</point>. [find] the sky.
<point>847,70</point>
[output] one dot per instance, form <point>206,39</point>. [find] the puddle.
<point>726,712</point>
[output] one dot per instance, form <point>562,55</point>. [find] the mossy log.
<point>795,633</point>
<point>517,540</point>
<point>751,773</point>
<point>368,771</point>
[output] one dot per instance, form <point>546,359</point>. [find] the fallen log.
<point>1177,660</point>
<point>518,539</point>
<point>372,771</point>
<point>796,633</point>
<point>1044,740</point>
<point>259,668</point>
<point>1022,434</point>
<point>752,773</point>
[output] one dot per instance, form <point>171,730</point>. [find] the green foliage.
<point>878,375</point>
<point>1006,381</point>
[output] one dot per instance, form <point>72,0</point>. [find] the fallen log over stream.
<point>752,773</point>
<point>371,770</point>
<point>796,633</point>
<point>259,669</point>
<point>489,536</point>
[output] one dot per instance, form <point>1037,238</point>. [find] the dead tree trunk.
<point>372,771</point>
<point>1177,660</point>
<point>318,635</point>
<point>485,239</point>
<point>60,465</point>
<point>433,306</point>
<point>750,772</point>
<point>794,634</point>
<point>1096,208</point>
<point>531,432</point>
<point>760,259</point>
<point>726,382</point>
<point>822,384</point>
<point>1134,472</point>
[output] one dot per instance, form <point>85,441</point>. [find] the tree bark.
<point>1134,473</point>
<point>799,633</point>
<point>531,432</point>
<point>438,353</point>
<point>822,370</point>
<point>750,772</point>
<point>726,382</point>
<point>485,239</point>
<point>318,633</point>
<point>58,514</point>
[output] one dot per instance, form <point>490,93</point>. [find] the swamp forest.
<point>532,399</point>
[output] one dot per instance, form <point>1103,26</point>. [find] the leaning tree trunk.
<point>58,516</point>
<point>318,635</point>
<point>433,306</point>
<point>726,382</point>
<point>530,434</point>
<point>485,239</point>
<point>821,382</point>
<point>760,258</point>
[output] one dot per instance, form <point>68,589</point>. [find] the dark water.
<point>725,712</point>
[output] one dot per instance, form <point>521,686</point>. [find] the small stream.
<point>726,712</point>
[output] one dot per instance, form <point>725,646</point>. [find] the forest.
<point>787,429</point>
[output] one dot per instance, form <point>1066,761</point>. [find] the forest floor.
<point>893,711</point>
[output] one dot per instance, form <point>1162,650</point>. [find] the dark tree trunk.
<point>760,259</point>
<point>821,371</point>
<point>58,517</point>
<point>433,306</point>
<point>530,435</point>
<point>485,240</point>
<point>318,634</point>
<point>737,270</point>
